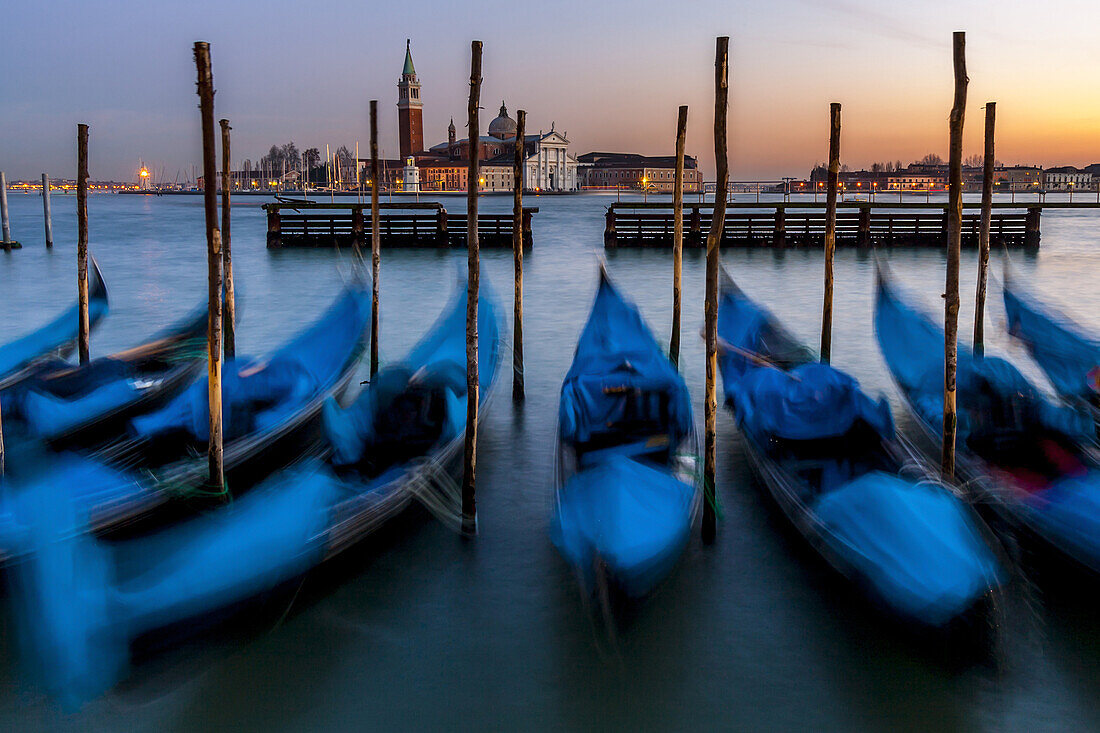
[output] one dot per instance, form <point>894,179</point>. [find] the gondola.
<point>70,406</point>
<point>402,438</point>
<point>1068,356</point>
<point>628,484</point>
<point>1025,457</point>
<point>23,357</point>
<point>834,464</point>
<point>271,416</point>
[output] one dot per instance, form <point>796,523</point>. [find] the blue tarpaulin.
<point>634,517</point>
<point>914,544</point>
<point>617,356</point>
<point>913,348</point>
<point>1070,359</point>
<point>809,402</point>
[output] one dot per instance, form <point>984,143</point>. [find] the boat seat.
<point>653,444</point>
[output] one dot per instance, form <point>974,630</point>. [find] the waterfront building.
<point>630,170</point>
<point>1066,178</point>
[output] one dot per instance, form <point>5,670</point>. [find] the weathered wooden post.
<point>375,238</point>
<point>983,234</point>
<point>954,244</point>
<point>213,263</point>
<point>1031,226</point>
<point>274,227</point>
<point>678,234</point>
<point>469,503</point>
<point>696,225</point>
<point>863,232</point>
<point>84,327</point>
<point>518,224</point>
<point>229,313</point>
<point>6,243</point>
<point>779,227</point>
<point>714,239</point>
<point>442,236</point>
<point>610,237</point>
<point>830,231</point>
<point>46,210</point>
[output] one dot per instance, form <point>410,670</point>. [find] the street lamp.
<point>645,189</point>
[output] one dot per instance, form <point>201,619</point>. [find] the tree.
<point>311,157</point>
<point>974,161</point>
<point>877,167</point>
<point>898,166</point>
<point>931,159</point>
<point>291,155</point>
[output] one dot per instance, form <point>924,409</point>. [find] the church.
<point>548,164</point>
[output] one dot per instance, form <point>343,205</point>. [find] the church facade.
<point>548,164</point>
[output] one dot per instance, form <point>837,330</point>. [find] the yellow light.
<point>144,173</point>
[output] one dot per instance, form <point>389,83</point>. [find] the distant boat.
<point>67,405</point>
<point>628,458</point>
<point>834,464</point>
<point>21,358</point>
<point>1028,458</point>
<point>1066,353</point>
<point>401,439</point>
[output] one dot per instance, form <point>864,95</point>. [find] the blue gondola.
<point>628,484</point>
<point>402,438</point>
<point>1068,356</point>
<point>832,460</point>
<point>271,415</point>
<point>22,358</point>
<point>66,405</point>
<point>1029,457</point>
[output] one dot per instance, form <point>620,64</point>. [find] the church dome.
<point>503,127</point>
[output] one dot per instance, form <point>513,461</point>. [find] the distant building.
<point>1019,176</point>
<point>633,171</point>
<point>410,108</point>
<point>1065,178</point>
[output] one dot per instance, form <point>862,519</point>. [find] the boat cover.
<point>616,355</point>
<point>913,348</point>
<point>754,332</point>
<point>437,360</point>
<point>257,395</point>
<point>87,599</point>
<point>1069,513</point>
<point>631,516</point>
<point>914,544</point>
<point>57,333</point>
<point>1070,359</point>
<point>809,402</point>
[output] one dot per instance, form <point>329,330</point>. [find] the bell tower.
<point>452,145</point>
<point>409,108</point>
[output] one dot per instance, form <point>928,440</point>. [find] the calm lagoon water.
<point>420,629</point>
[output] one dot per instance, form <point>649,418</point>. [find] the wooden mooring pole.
<point>213,262</point>
<point>229,314</point>
<point>46,210</point>
<point>518,393</point>
<point>983,233</point>
<point>830,232</point>
<point>6,243</point>
<point>678,234</point>
<point>469,504</point>
<point>714,239</point>
<point>84,327</point>
<point>375,239</point>
<point>954,243</point>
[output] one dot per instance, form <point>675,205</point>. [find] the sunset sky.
<point>610,73</point>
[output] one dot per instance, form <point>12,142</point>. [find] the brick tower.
<point>410,122</point>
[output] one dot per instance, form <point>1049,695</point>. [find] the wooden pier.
<point>401,225</point>
<point>802,224</point>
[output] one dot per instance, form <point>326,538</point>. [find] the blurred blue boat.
<point>67,406</point>
<point>84,599</point>
<point>628,478</point>
<point>22,358</point>
<point>1030,458</point>
<point>271,417</point>
<point>1069,357</point>
<point>834,464</point>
